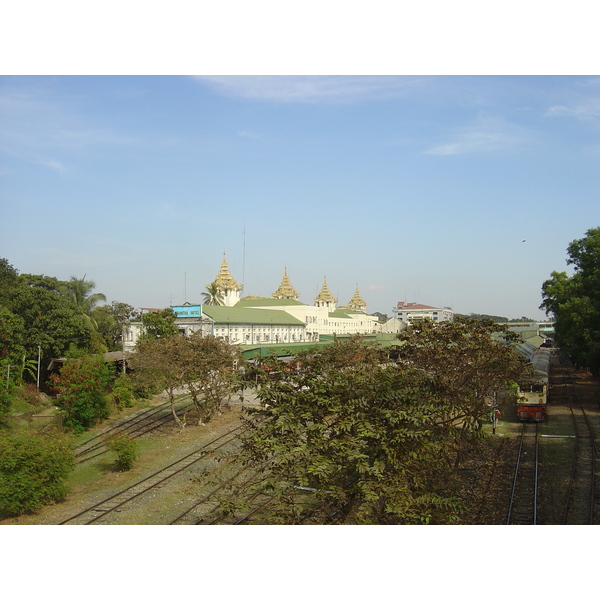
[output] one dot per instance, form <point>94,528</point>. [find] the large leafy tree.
<point>346,435</point>
<point>110,320</point>
<point>159,324</point>
<point>574,301</point>
<point>466,363</point>
<point>50,322</point>
<point>157,366</point>
<point>354,434</point>
<point>210,372</point>
<point>204,365</point>
<point>82,384</point>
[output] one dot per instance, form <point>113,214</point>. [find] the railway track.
<point>136,426</point>
<point>116,502</point>
<point>523,505</point>
<point>582,498</point>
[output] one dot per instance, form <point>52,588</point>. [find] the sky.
<point>459,191</point>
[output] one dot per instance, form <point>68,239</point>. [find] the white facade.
<point>412,311</point>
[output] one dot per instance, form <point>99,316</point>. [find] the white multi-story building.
<point>412,311</point>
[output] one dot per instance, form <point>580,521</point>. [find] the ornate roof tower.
<point>286,290</point>
<point>357,303</point>
<point>325,297</point>
<point>227,284</point>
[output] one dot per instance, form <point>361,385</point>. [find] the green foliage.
<point>6,398</point>
<point>575,302</point>
<point>82,386</point>
<point>204,365</point>
<point>33,469</point>
<point>213,296</point>
<point>110,320</point>
<point>159,325</point>
<point>350,432</point>
<point>126,450</point>
<point>122,395</point>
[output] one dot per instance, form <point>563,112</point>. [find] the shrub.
<point>122,394</point>
<point>82,383</point>
<point>126,450</point>
<point>33,469</point>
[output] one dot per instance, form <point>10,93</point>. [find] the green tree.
<point>344,433</point>
<point>110,320</point>
<point>210,373</point>
<point>214,296</point>
<point>574,302</point>
<point>82,385</point>
<point>79,292</point>
<point>33,470</point>
<point>50,321</point>
<point>156,365</point>
<point>159,324</point>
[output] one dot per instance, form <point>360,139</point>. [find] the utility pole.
<point>38,368</point>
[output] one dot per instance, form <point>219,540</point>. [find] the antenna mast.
<point>244,259</point>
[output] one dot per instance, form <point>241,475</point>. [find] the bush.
<point>82,383</point>
<point>33,469</point>
<point>126,450</point>
<point>122,394</point>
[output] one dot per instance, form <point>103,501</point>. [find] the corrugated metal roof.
<point>257,301</point>
<point>228,314</point>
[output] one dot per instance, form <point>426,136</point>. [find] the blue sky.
<point>416,188</point>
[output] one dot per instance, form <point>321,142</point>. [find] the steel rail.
<point>519,471</point>
<point>184,463</point>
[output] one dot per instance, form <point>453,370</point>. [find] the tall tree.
<point>214,296</point>
<point>575,302</point>
<point>79,292</point>
<point>159,324</point>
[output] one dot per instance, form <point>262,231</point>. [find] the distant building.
<point>412,311</point>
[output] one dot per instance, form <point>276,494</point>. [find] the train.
<point>532,392</point>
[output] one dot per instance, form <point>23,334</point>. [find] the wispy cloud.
<point>585,111</point>
<point>488,135</point>
<point>311,89</point>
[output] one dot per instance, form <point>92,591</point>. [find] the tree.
<point>345,434</point>
<point>466,363</point>
<point>82,385</point>
<point>156,365</point>
<point>110,320</point>
<point>33,469</point>
<point>210,374</point>
<point>49,321</point>
<point>79,292</point>
<point>575,302</point>
<point>159,324</point>
<point>214,296</point>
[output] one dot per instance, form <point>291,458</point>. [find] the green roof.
<point>228,314</point>
<point>250,301</point>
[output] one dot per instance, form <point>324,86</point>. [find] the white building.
<point>281,319</point>
<point>412,311</point>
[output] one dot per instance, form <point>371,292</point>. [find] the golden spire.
<point>357,303</point>
<point>225,280</point>
<point>325,295</point>
<point>286,290</point>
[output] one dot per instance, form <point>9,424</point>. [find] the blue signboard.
<point>187,310</point>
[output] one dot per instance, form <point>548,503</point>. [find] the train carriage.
<point>533,390</point>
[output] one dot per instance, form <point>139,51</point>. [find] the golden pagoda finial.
<point>357,303</point>
<point>286,290</point>
<point>325,296</point>
<point>225,280</point>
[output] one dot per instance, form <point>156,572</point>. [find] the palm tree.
<point>78,291</point>
<point>214,296</point>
